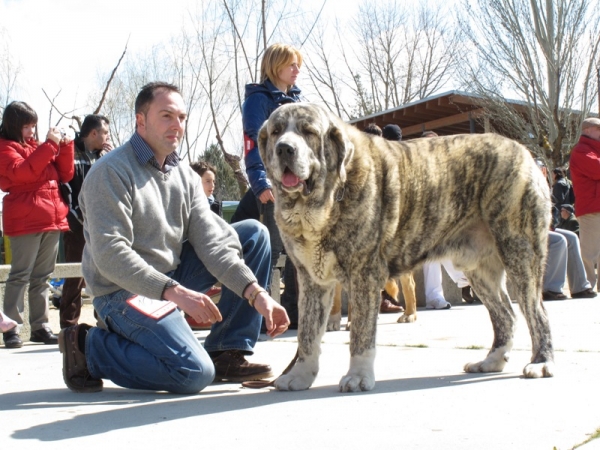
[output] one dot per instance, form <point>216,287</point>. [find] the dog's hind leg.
<point>527,278</point>
<point>489,283</point>
<point>408,290</point>
<point>314,305</point>
<point>335,316</point>
<point>364,299</point>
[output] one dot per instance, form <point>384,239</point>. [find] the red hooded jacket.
<point>585,174</point>
<point>31,173</point>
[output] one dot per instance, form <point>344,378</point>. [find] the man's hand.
<point>195,304</point>
<point>266,196</point>
<point>276,318</point>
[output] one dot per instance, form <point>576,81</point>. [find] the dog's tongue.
<point>289,179</point>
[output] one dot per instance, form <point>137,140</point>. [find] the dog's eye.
<point>309,130</point>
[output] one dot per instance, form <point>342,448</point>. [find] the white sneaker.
<point>438,303</point>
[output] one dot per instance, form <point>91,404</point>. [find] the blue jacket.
<point>260,101</point>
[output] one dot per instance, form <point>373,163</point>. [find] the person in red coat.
<point>33,215</point>
<point>585,175</point>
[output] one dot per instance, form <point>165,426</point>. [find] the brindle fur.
<point>369,209</point>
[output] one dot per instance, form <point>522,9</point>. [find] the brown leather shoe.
<point>466,295</point>
<point>75,372</point>
<point>231,365</point>
<point>388,307</point>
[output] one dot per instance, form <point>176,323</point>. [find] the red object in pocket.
<point>156,309</point>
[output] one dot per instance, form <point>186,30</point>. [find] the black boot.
<point>11,339</point>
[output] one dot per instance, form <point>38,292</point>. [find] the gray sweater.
<point>136,221</point>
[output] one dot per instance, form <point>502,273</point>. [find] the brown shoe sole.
<point>62,346</point>
<point>240,379</point>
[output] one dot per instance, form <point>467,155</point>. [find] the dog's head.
<point>302,145</point>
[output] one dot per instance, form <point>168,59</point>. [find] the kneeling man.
<point>152,245</point>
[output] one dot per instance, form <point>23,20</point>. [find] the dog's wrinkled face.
<point>299,145</point>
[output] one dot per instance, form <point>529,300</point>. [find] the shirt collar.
<point>145,155</point>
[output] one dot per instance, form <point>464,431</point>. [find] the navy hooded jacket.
<point>260,101</point>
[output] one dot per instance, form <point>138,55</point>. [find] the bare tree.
<point>398,52</point>
<point>543,52</point>
<point>9,70</point>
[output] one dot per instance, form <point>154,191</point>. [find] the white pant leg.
<point>457,275</point>
<point>432,274</point>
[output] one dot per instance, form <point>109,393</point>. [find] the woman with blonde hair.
<point>279,69</point>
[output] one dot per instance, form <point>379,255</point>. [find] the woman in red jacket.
<point>33,215</point>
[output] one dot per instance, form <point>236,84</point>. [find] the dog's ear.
<point>342,143</point>
<point>263,136</point>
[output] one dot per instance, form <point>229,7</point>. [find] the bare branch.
<point>112,75</point>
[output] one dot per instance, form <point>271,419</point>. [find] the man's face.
<point>592,133</point>
<point>100,137</point>
<point>565,214</point>
<point>162,125</point>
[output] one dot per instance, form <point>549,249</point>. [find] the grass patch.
<point>472,347</point>
<point>417,345</point>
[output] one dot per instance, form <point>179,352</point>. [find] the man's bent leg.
<point>240,327</point>
<point>141,352</point>
<point>575,270</point>
<point>556,263</point>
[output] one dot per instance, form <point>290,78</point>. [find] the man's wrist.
<point>169,284</point>
<point>252,292</point>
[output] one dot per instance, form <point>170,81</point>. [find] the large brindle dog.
<point>358,209</point>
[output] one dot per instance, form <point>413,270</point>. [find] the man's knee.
<point>251,229</point>
<point>197,378</point>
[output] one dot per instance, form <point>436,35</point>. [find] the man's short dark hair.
<point>92,122</point>
<point>146,95</point>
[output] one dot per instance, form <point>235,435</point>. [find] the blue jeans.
<point>139,352</point>
<point>564,262</point>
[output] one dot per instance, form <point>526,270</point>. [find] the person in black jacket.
<point>92,142</point>
<point>568,221</point>
<point>562,192</point>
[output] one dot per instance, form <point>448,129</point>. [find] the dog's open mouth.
<point>292,182</point>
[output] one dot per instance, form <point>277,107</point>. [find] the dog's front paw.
<point>293,383</point>
<point>334,322</point>
<point>356,382</point>
<point>407,318</point>
<point>300,378</point>
<point>539,370</point>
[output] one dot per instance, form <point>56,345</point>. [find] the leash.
<point>259,384</point>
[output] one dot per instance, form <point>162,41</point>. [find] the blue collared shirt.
<point>144,154</point>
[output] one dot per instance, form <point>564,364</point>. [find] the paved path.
<point>422,399</point>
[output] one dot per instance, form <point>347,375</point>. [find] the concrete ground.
<point>422,400</point>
